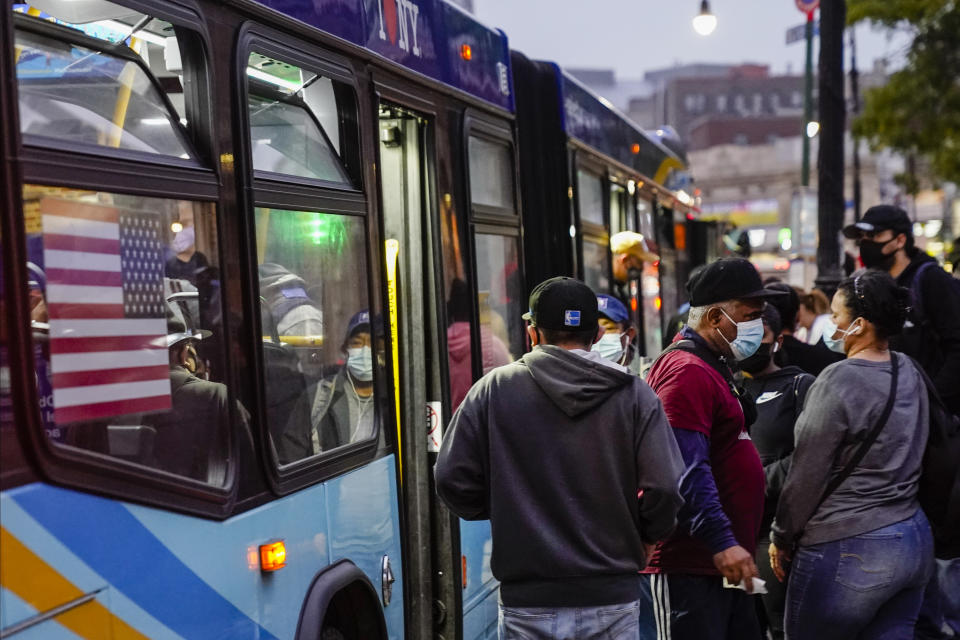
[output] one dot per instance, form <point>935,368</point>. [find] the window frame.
<point>39,155</point>
<point>132,173</point>
<point>282,191</point>
<point>476,126</point>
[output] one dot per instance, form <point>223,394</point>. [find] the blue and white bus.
<point>249,250</point>
<point>253,256</point>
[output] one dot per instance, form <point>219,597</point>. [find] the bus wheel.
<point>332,633</point>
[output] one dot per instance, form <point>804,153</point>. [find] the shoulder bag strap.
<point>871,438</point>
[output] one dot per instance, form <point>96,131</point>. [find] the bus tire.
<point>332,633</point>
<point>341,603</point>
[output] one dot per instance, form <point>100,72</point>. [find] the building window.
<point>739,103</point>
<point>796,99</point>
<point>757,103</point>
<point>722,102</point>
<point>740,139</point>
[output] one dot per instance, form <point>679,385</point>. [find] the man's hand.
<point>737,566</point>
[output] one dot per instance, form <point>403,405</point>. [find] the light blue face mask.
<point>609,346</point>
<point>749,337</point>
<point>360,363</point>
<point>830,328</point>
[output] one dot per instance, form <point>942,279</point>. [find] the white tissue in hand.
<point>759,586</point>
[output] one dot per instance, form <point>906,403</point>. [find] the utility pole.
<point>855,90</point>
<point>807,104</point>
<point>830,198</point>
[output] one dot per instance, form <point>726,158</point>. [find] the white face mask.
<point>360,363</point>
<point>183,240</point>
<point>610,346</point>
<point>749,337</point>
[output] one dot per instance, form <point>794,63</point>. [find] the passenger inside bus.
<point>344,407</point>
<point>494,351</point>
<point>188,438</point>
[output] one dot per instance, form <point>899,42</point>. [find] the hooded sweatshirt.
<point>554,449</point>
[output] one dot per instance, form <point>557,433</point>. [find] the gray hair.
<point>699,314</point>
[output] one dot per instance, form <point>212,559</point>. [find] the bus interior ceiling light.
<point>293,87</point>
<point>813,128</point>
<point>85,11</point>
<point>704,22</point>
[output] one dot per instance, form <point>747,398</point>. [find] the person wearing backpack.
<point>779,393</point>
<point>849,522</point>
<point>931,336</point>
<point>931,331</point>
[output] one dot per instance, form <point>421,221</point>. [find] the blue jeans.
<point>868,586</point>
<point>611,622</point>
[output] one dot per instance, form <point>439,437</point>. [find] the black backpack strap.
<point>719,365</point>
<point>871,437</point>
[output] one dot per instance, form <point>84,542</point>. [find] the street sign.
<point>798,33</point>
<point>806,6</point>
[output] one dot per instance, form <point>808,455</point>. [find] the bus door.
<point>408,206</point>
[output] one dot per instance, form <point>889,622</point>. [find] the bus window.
<point>126,316</point>
<point>500,300</point>
<point>596,265</point>
<point>590,197</point>
<point>491,174</point>
<point>90,82</point>
<point>619,217</point>
<point>319,343</point>
<point>294,121</point>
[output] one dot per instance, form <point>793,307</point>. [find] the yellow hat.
<point>632,243</point>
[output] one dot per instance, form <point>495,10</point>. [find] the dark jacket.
<point>779,397</point>
<point>330,415</point>
<point>931,334</point>
<point>554,449</point>
<point>192,435</point>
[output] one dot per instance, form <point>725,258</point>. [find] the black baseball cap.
<point>727,279</point>
<point>880,218</point>
<point>565,304</point>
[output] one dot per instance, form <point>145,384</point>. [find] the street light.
<point>704,22</point>
<point>813,128</point>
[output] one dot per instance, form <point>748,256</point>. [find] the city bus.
<point>250,252</point>
<point>593,174</point>
<point>253,256</point>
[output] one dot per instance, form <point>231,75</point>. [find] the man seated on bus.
<point>343,406</point>
<point>616,343</point>
<point>193,433</point>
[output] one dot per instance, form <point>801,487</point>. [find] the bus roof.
<point>431,37</point>
<point>598,124</point>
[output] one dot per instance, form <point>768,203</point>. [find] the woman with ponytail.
<point>848,526</point>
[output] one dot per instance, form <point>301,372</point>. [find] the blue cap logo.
<point>571,318</point>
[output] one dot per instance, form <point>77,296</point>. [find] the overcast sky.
<point>633,36</point>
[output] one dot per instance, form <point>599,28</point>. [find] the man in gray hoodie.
<point>573,461</point>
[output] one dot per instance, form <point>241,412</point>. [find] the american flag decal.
<point>104,269</point>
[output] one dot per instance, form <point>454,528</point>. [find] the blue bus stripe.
<point>117,546</point>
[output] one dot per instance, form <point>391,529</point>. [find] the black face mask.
<point>873,256</point>
<point>759,360</point>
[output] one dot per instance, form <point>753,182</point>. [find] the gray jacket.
<point>553,449</point>
<point>842,406</point>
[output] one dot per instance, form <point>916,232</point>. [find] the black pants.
<point>775,600</point>
<point>690,607</point>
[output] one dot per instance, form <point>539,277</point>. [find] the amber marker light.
<point>635,149</point>
<point>466,52</point>
<point>273,556</point>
